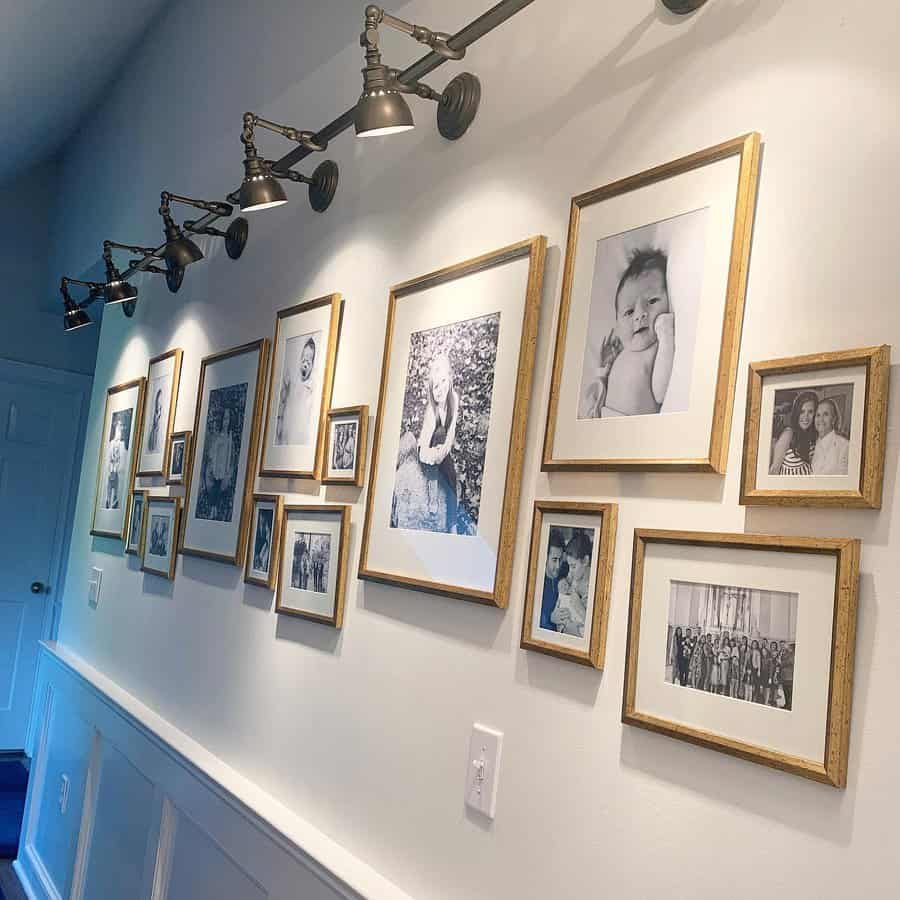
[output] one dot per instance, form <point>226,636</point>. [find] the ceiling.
<point>56,57</point>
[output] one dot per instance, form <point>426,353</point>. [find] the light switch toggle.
<point>483,770</point>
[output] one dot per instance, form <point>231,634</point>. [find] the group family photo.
<point>567,579</point>
<point>445,425</point>
<point>343,452</point>
<point>311,562</point>
<point>221,452</point>
<point>732,641</point>
<point>811,431</point>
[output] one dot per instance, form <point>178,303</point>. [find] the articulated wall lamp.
<point>180,250</point>
<point>74,314</point>
<point>382,109</point>
<point>260,188</point>
<point>117,289</point>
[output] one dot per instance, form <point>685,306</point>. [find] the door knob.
<point>37,587</point>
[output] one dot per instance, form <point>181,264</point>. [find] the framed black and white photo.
<point>313,571</point>
<point>163,376</point>
<point>117,458</point>
<point>161,538</point>
<point>569,579</point>
<point>178,466</point>
<point>450,429</point>
<point>263,555</point>
<point>345,445</point>
<point>137,522</point>
<point>815,429</point>
<point>223,455</point>
<point>650,318</point>
<point>744,643</point>
<point>303,360</point>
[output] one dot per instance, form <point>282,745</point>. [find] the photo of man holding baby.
<point>637,360</point>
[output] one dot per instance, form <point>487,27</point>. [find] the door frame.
<point>76,385</point>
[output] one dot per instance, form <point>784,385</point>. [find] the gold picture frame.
<point>269,582</point>
<point>335,303</point>
<point>175,504</point>
<point>341,512</point>
<point>177,355</point>
<point>533,250</point>
<point>138,384</point>
<point>595,653</point>
<point>139,545</point>
<point>841,619</point>
<point>747,149</point>
<point>361,413</point>
<point>184,478</point>
<point>867,491</point>
<point>245,492</point>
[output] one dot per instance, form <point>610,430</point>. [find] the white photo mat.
<point>800,732</point>
<point>466,561</point>
<point>682,435</point>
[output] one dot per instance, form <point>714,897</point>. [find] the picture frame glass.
<point>824,411</point>
<point>781,700</point>
<point>262,539</point>
<point>116,462</point>
<point>161,539</point>
<point>565,580</point>
<point>159,400</point>
<point>343,446</point>
<point>648,297</point>
<point>222,460</point>
<point>310,554</point>
<point>448,400</point>
<point>301,372</point>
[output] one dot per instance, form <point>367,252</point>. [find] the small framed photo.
<point>223,456</point>
<point>815,430</point>
<point>650,316</point>
<point>137,523</point>
<point>345,445</point>
<point>569,579</point>
<point>161,540</point>
<point>313,572</point>
<point>178,468</point>
<point>117,458</point>
<point>265,539</point>
<point>163,376</point>
<point>303,360</point>
<point>744,643</point>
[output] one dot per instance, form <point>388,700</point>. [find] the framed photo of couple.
<point>569,580</point>
<point>744,643</point>
<point>450,427</point>
<point>815,430</point>
<point>650,316</point>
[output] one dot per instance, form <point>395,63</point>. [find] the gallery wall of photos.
<point>739,642</point>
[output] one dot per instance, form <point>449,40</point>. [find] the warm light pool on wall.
<point>380,110</point>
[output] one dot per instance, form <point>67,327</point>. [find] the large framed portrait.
<point>263,556</point>
<point>160,398</point>
<point>137,523</point>
<point>450,429</point>
<point>744,643</point>
<point>161,540</point>
<point>303,360</point>
<point>313,571</point>
<point>815,429</point>
<point>223,456</point>
<point>179,464</point>
<point>117,460</point>
<point>569,580</point>
<point>650,317</point>
<point>345,445</point>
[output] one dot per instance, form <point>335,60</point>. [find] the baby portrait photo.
<point>567,580</point>
<point>732,641</point>
<point>296,419</point>
<point>645,293</point>
<point>445,425</point>
<point>311,559</point>
<point>811,431</point>
<point>221,453</point>
<point>116,460</point>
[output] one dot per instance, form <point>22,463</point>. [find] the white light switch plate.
<point>483,770</point>
<point>94,587</point>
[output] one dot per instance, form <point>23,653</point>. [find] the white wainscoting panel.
<point>151,815</point>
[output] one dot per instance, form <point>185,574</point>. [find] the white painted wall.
<point>364,733</point>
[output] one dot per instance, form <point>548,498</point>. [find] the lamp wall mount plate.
<point>458,106</point>
<point>323,185</point>
<point>236,237</point>
<point>683,7</point>
<point>174,277</point>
